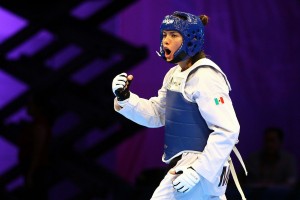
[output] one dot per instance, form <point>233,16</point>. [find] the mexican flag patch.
<point>219,100</point>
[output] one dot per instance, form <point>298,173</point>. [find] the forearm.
<point>219,146</point>
<point>142,111</point>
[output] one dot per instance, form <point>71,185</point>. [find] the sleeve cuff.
<point>123,103</point>
<point>200,170</point>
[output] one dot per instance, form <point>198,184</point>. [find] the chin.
<point>169,59</point>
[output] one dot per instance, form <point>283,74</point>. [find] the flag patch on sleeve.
<point>219,100</point>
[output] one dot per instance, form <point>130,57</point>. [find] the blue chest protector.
<point>185,128</point>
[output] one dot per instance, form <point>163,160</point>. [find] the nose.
<point>166,40</point>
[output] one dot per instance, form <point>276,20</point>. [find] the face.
<point>172,40</point>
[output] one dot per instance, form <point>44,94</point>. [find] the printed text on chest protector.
<point>175,84</point>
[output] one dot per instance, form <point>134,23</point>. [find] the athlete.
<point>201,127</point>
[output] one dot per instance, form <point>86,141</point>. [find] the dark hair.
<point>204,19</point>
<point>201,54</point>
<point>277,131</point>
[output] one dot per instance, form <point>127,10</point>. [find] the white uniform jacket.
<point>209,88</point>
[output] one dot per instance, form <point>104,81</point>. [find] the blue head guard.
<point>191,29</point>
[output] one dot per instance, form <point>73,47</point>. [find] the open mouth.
<point>168,51</point>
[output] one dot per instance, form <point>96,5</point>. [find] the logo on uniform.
<point>219,100</point>
<point>175,84</point>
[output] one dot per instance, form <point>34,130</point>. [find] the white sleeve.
<point>212,97</point>
<point>146,112</point>
<point>149,113</point>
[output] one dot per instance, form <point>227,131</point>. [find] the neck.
<point>184,65</point>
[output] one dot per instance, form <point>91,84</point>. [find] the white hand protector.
<point>187,179</point>
<point>119,82</point>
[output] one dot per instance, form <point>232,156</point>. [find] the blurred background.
<point>60,137</point>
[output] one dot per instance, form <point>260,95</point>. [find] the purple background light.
<point>256,43</point>
<point>63,56</point>
<point>93,69</point>
<point>10,88</point>
<point>8,155</point>
<point>88,8</point>
<point>10,24</point>
<point>31,46</point>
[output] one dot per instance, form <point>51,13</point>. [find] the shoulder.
<point>172,70</point>
<point>209,72</point>
<point>209,80</point>
<point>170,73</point>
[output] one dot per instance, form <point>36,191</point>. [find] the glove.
<point>187,179</point>
<point>120,87</point>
